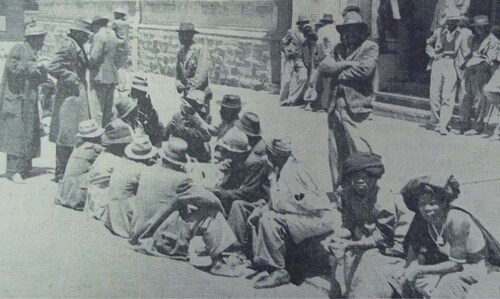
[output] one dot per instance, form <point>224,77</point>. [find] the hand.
<point>437,56</point>
<point>225,165</point>
<point>180,87</point>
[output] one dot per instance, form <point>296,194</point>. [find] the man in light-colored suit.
<point>352,71</point>
<point>103,65</point>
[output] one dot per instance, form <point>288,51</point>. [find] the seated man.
<point>126,110</point>
<point>229,114</point>
<point>297,210</point>
<point>124,182</point>
<point>117,136</point>
<point>242,181</point>
<point>377,224</point>
<point>191,125</point>
<point>69,194</point>
<point>170,209</point>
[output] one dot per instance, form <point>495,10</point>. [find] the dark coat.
<point>69,191</point>
<point>19,115</point>
<point>104,58</point>
<point>69,66</point>
<point>354,83</point>
<point>191,131</point>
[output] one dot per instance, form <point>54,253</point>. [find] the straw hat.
<point>231,101</point>
<point>89,129</point>
<point>33,29</point>
<point>249,124</point>
<point>81,24</point>
<point>235,141</point>
<point>140,83</point>
<point>280,146</point>
<point>125,105</point>
<point>141,149</point>
<point>117,132</point>
<point>175,151</point>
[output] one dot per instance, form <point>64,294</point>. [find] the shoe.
<point>443,132</point>
<point>222,269</point>
<point>471,132</point>
<point>17,178</point>
<point>457,132</point>
<point>275,279</point>
<point>285,104</point>
<point>494,138</point>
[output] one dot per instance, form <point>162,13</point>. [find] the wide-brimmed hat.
<point>99,19</point>
<point>187,27</point>
<point>302,20</point>
<point>141,149</point>
<point>249,124</point>
<point>120,11</point>
<point>235,141</point>
<point>81,24</point>
<point>117,132</point>
<point>33,29</point>
<point>175,151</point>
<point>89,129</point>
<point>480,20</point>
<point>352,18</point>
<point>125,105</point>
<point>140,83</point>
<point>231,101</point>
<point>280,146</point>
<point>327,18</point>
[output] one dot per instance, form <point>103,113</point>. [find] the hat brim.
<point>140,88</point>
<point>303,22</point>
<point>123,140</point>
<point>219,102</point>
<point>80,29</point>
<point>130,109</point>
<point>342,27</point>
<point>131,155</point>
<point>100,20</point>
<point>95,134</point>
<point>328,21</point>
<point>247,132</point>
<point>40,33</point>
<point>192,31</point>
<point>175,162</point>
<point>232,150</point>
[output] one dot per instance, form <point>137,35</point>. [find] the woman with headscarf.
<point>447,248</point>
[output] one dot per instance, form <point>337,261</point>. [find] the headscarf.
<point>446,189</point>
<point>362,161</point>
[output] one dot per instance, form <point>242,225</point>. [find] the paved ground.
<point>49,251</point>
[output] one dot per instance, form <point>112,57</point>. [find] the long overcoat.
<point>19,115</point>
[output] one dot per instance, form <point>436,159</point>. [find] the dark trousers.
<point>62,157</point>
<point>474,104</point>
<point>237,220</point>
<point>17,164</point>
<point>105,94</point>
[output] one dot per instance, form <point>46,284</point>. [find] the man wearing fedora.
<point>352,71</point>
<point>19,116</point>
<point>124,182</point>
<point>69,190</point>
<point>479,68</point>
<point>117,135</point>
<point>170,209</point>
<point>126,110</point>
<point>294,72</point>
<point>230,108</point>
<point>190,125</point>
<point>193,65</point>
<point>147,114</point>
<point>297,210</point>
<point>69,66</point>
<point>447,48</point>
<point>243,180</point>
<point>103,66</point>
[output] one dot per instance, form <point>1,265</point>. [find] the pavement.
<point>50,251</point>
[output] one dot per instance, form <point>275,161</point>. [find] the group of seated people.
<point>264,200</point>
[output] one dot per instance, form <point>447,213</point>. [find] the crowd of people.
<point>248,198</point>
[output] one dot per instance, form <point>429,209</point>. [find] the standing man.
<point>294,74</point>
<point>121,27</point>
<point>19,115</point>
<point>447,48</point>
<point>352,71</point>
<point>193,65</point>
<point>69,66</point>
<point>103,66</point>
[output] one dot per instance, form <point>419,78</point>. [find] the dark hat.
<point>230,101</point>
<point>140,83</point>
<point>33,29</point>
<point>99,19</point>
<point>117,132</point>
<point>444,188</point>
<point>481,20</point>
<point>125,105</point>
<point>120,11</point>
<point>358,161</point>
<point>351,8</point>
<point>352,18</point>
<point>249,124</point>
<point>327,18</point>
<point>81,24</point>
<point>187,27</point>
<point>235,141</point>
<point>89,129</point>
<point>281,147</point>
<point>175,151</point>
<point>302,20</point>
<point>141,149</point>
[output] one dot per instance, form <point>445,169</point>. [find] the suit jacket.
<point>103,57</point>
<point>193,68</point>
<point>69,66</point>
<point>462,49</point>
<point>191,130</point>
<point>352,77</point>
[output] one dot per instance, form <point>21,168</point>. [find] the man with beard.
<point>352,71</point>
